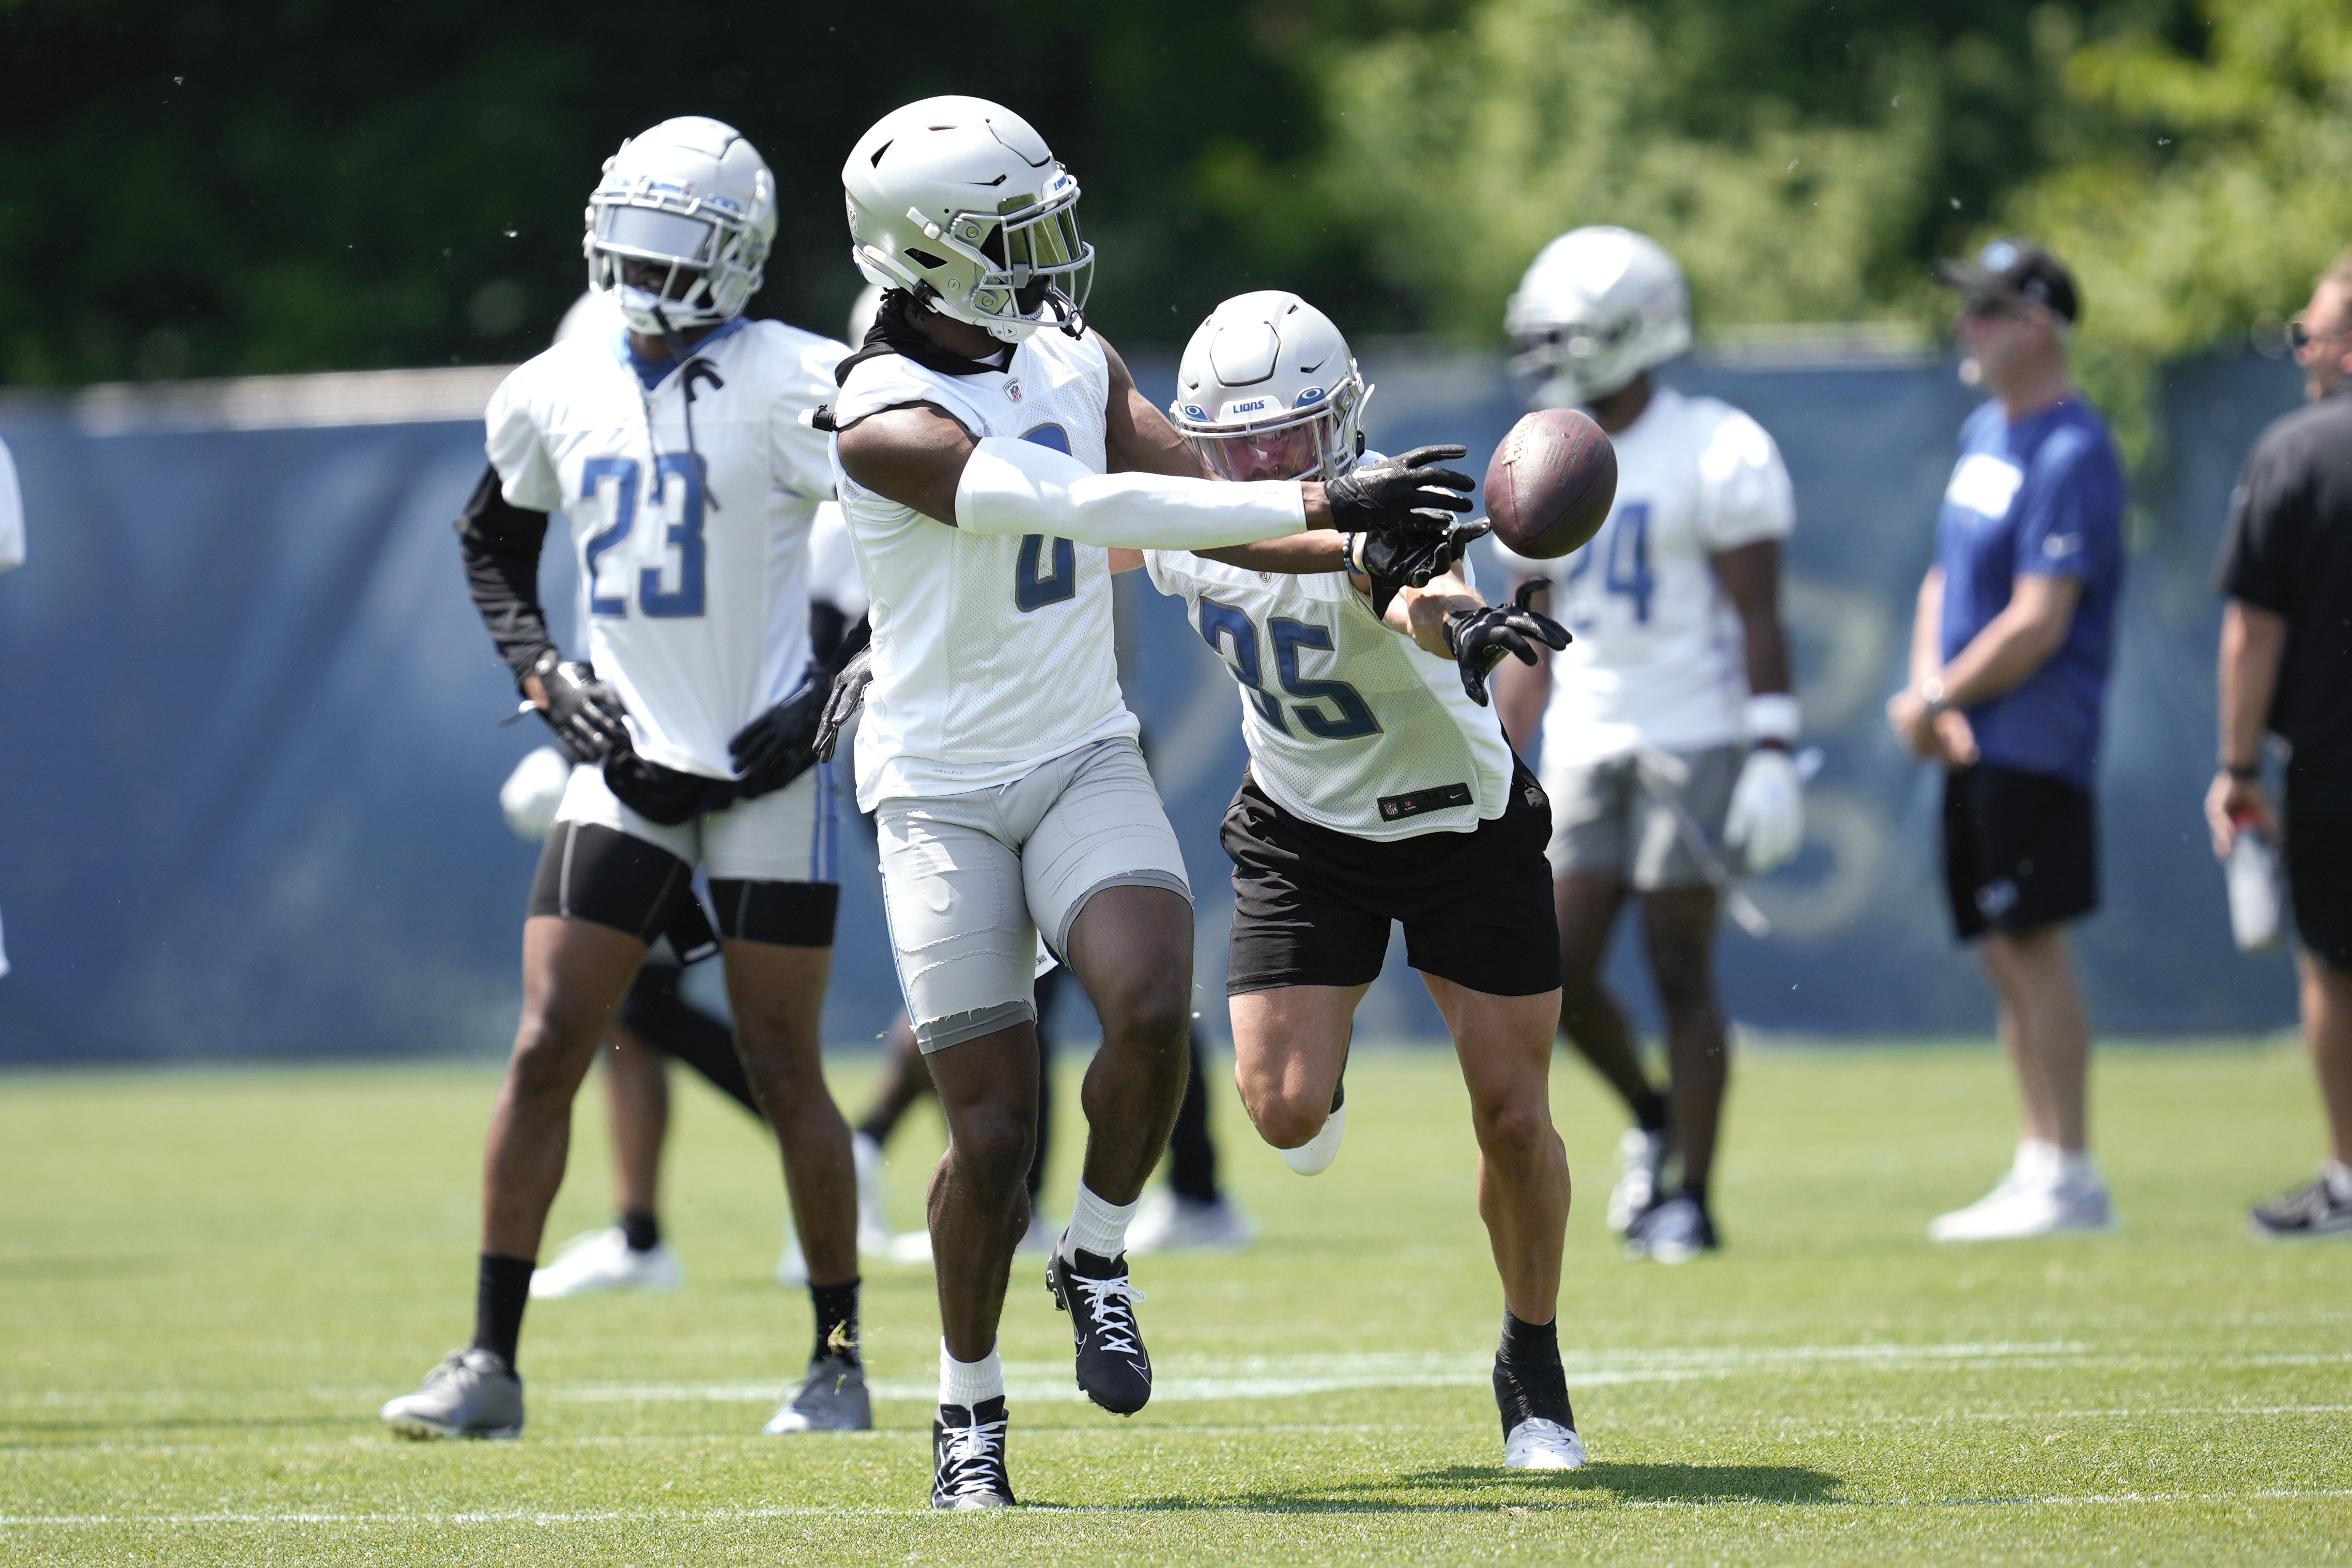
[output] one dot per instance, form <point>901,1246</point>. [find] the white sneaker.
<point>1168,1222</point>
<point>872,1230</point>
<point>2023,1207</point>
<point>1536,1444</point>
<point>603,1260</point>
<point>1314,1157</point>
<point>792,1267</point>
<point>1641,1172</point>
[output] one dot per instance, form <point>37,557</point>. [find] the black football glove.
<point>1479,639</point>
<point>1393,563</point>
<point>585,713</point>
<point>848,693</point>
<point>780,745</point>
<point>1400,498</point>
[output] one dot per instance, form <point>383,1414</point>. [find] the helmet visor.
<point>1293,452</point>
<point>655,234</point>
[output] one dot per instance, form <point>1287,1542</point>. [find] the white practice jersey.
<point>1349,725</point>
<point>695,573</point>
<point>833,563</point>
<point>1657,658</point>
<point>993,655</point>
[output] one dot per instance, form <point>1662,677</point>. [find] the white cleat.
<point>603,1260</point>
<point>872,1230</point>
<point>1171,1223</point>
<point>1536,1444</point>
<point>1314,1157</point>
<point>1641,1173</point>
<point>2018,1209</point>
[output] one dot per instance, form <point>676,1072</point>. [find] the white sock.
<point>2036,1157</point>
<point>1101,1228</point>
<point>2077,1168</point>
<point>2339,1180</point>
<point>966,1382</point>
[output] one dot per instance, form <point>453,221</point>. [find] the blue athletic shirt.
<point>2041,497</point>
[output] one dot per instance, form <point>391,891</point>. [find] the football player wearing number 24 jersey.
<point>990,451</point>
<point>1380,787</point>
<point>1669,722</point>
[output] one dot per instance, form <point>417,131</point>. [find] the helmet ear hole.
<point>924,258</point>
<point>1360,443</point>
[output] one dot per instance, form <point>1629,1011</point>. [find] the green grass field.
<point>208,1281</point>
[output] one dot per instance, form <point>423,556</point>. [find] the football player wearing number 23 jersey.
<point>678,450</point>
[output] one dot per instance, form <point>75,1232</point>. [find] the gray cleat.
<point>472,1394</point>
<point>832,1398</point>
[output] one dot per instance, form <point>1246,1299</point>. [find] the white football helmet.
<point>1598,307</point>
<point>693,195</point>
<point>1267,390</point>
<point>959,203</point>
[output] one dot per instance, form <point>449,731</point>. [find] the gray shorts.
<point>1613,819</point>
<point>969,881</point>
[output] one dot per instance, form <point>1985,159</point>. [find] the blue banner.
<point>252,750</point>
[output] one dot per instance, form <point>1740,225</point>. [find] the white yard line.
<point>1587,1498</point>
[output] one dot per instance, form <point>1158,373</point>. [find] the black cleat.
<point>2306,1213</point>
<point>1113,1367</point>
<point>968,1457</point>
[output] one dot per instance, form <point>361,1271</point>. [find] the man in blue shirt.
<point>2010,654</point>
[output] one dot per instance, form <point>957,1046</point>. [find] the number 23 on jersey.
<point>682,542</point>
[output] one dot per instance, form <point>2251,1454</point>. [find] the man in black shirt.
<point>2286,667</point>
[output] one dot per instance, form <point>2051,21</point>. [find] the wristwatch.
<point>1931,695</point>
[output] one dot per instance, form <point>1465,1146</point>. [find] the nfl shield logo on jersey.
<point>1013,390</point>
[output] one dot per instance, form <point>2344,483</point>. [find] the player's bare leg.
<point>1290,1046</point>
<point>1678,928</point>
<point>979,1203</point>
<point>1504,1043</point>
<point>1588,906</point>
<point>777,994</point>
<point>1131,949</point>
<point>636,1105</point>
<point>575,973</point>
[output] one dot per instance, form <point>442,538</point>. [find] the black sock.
<point>640,1229</point>
<point>836,1321</point>
<point>1528,1344</point>
<point>1530,1384</point>
<point>1650,1112</point>
<point>1696,1195</point>
<point>501,1293</point>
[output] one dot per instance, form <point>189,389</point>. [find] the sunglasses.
<point>2300,337</point>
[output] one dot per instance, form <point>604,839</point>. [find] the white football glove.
<point>1765,823</point>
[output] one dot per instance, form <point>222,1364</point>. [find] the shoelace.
<point>1112,1302</point>
<point>972,1464</point>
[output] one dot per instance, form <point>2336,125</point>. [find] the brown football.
<point>1551,482</point>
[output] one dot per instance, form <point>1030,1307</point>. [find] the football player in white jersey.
<point>1380,787</point>
<point>1669,720</point>
<point>991,450</point>
<point>678,451</point>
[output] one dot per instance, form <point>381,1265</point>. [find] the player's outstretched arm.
<point>1474,634</point>
<point>1137,439</point>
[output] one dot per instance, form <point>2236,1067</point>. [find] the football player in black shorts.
<point>1380,788</point>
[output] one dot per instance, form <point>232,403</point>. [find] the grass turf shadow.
<point>1594,1484</point>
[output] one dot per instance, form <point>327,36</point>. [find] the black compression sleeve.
<point>500,542</point>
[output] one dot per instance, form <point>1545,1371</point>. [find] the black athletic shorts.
<point>2021,851</point>
<point>2319,875</point>
<point>591,872</point>
<point>1312,906</point>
